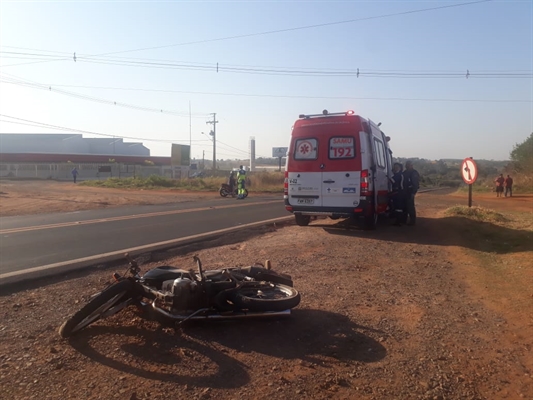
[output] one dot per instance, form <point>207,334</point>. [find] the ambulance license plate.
<point>306,201</point>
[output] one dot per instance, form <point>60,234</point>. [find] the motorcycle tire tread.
<point>280,304</point>
<point>260,273</point>
<point>67,328</point>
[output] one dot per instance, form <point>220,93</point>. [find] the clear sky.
<point>155,58</point>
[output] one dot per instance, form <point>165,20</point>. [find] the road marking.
<point>126,217</point>
<point>71,265</point>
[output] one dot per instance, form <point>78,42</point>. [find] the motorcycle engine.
<point>185,294</point>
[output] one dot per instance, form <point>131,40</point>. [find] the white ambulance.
<point>338,165</point>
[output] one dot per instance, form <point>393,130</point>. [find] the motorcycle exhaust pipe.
<point>235,315</point>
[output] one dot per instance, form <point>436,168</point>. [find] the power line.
<point>422,10</point>
<point>230,148</point>
<point>359,73</point>
<point>49,88</point>
<point>214,66</point>
<point>309,72</point>
<point>117,137</point>
<point>301,27</point>
<point>50,126</point>
<point>290,96</point>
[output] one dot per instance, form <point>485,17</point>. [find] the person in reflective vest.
<point>241,182</point>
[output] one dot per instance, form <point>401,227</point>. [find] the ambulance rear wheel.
<point>302,220</point>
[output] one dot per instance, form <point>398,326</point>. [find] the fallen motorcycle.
<point>225,191</point>
<point>174,294</point>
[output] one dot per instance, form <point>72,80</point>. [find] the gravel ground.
<point>396,313</point>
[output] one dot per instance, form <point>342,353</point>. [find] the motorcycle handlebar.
<point>199,263</point>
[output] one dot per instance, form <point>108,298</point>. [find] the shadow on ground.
<point>312,336</point>
<point>161,356</point>
<point>447,231</point>
<point>308,335</point>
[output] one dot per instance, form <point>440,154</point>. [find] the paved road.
<point>34,241</point>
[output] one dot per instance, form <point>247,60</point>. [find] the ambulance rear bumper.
<point>361,209</point>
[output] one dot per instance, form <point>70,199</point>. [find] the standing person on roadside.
<point>499,185</point>
<point>411,183</point>
<point>74,173</point>
<point>397,194</point>
<point>231,182</point>
<point>241,182</point>
<point>508,186</point>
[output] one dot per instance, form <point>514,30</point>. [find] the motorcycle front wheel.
<point>224,192</point>
<point>266,297</point>
<point>104,304</point>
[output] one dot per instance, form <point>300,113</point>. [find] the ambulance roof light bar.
<point>326,113</point>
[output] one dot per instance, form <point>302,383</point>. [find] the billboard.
<point>181,154</point>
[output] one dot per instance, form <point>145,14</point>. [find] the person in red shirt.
<point>508,186</point>
<point>499,185</point>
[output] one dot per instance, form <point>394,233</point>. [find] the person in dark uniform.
<point>75,174</point>
<point>231,181</point>
<point>411,182</point>
<point>397,194</point>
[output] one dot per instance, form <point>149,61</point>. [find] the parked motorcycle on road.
<point>225,191</point>
<point>178,295</point>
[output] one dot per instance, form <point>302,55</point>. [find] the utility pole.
<point>214,134</point>
<point>203,159</point>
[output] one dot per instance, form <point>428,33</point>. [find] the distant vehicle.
<point>338,166</point>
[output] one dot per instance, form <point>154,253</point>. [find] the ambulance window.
<point>305,149</point>
<point>342,147</point>
<point>380,153</point>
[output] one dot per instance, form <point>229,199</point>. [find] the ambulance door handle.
<point>329,181</point>
<point>322,166</point>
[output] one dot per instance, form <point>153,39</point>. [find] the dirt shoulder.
<point>401,312</point>
<point>37,197</point>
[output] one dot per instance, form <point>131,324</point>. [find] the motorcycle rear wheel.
<point>266,297</point>
<point>259,273</point>
<point>104,304</point>
<point>223,192</point>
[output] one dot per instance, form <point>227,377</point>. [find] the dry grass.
<point>258,181</point>
<point>267,181</point>
<point>477,214</point>
<point>493,232</point>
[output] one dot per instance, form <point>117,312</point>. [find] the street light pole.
<point>214,134</point>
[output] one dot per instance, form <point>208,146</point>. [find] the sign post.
<point>469,173</point>
<point>279,152</point>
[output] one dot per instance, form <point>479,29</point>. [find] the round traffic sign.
<point>469,171</point>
